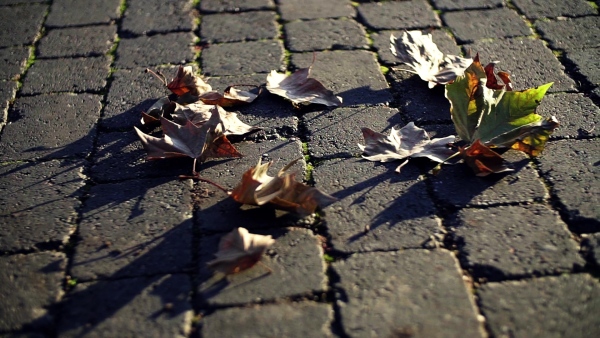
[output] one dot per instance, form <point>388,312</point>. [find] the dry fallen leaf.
<point>483,160</point>
<point>239,250</point>
<point>299,88</point>
<point>185,81</point>
<point>492,80</point>
<point>199,113</point>
<point>230,97</point>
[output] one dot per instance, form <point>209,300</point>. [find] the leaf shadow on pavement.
<point>364,95</point>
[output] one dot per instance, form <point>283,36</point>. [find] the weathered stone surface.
<point>308,36</point>
<point>65,13</point>
<point>514,241</point>
<point>51,126</point>
<point>398,15</point>
<point>554,8</point>
<point>590,245</point>
<point>313,9</point>
<point>8,90</point>
<point>587,63</point>
<point>466,4</point>
<point>157,16</point>
<point>156,306</point>
<point>337,71</point>
<point>30,285</point>
<point>395,207</point>
<point>24,30</point>
<point>12,62</point>
<point>84,41</point>
<point>147,51</point>
<point>211,6</point>
<point>38,204</point>
<point>295,260</point>
<point>66,75</point>
<point>567,302</point>
<point>485,24</point>
<point>571,33</point>
<point>279,320</point>
<point>325,128</point>
<point>576,113</point>
<point>572,168</point>
<point>238,27</point>
<point>415,293</point>
<point>531,64</point>
<point>381,42</point>
<point>240,58</point>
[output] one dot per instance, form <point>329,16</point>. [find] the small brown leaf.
<point>239,250</point>
<point>299,88</point>
<point>492,81</point>
<point>230,97</point>
<point>199,113</point>
<point>483,160</point>
<point>185,81</point>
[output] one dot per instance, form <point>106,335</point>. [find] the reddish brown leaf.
<point>492,81</point>
<point>239,250</point>
<point>230,97</point>
<point>185,81</point>
<point>483,160</point>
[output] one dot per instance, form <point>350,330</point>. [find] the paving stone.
<point>314,9</point>
<point>326,126</point>
<point>238,27</point>
<point>211,6</point>
<point>23,334</point>
<point>306,36</point>
<point>567,302</point>
<point>590,245</point>
<point>84,41</point>
<point>134,228</point>
<point>576,113</point>
<point>295,260</point>
<point>22,31</point>
<point>156,306</point>
<point>587,63</point>
<point>157,16</point>
<point>39,204</point>
<point>485,24</point>
<point>515,241</point>
<point>531,64</point>
<point>65,13</point>
<point>571,33</point>
<point>395,207</point>
<point>414,293</point>
<point>572,168</point>
<point>554,8</point>
<point>242,58</point>
<point>66,75</point>
<point>381,43</point>
<point>280,320</point>
<point>338,72</point>
<point>15,2</point>
<point>457,185</point>
<point>446,5</point>
<point>30,285</point>
<point>398,15</point>
<point>12,62</point>
<point>8,90</point>
<point>147,51</point>
<point>32,132</point>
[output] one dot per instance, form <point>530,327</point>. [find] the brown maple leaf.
<point>185,81</point>
<point>199,113</point>
<point>483,160</point>
<point>492,80</point>
<point>239,250</point>
<point>230,97</point>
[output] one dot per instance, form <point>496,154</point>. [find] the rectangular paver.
<point>398,15</point>
<point>24,30</point>
<point>241,58</point>
<point>308,36</point>
<point>157,16</point>
<point>486,24</point>
<point>70,42</point>
<point>64,13</point>
<point>248,26</point>
<point>313,9</point>
<point>160,49</point>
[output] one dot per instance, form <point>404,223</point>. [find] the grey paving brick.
<point>242,58</point>
<point>587,63</point>
<point>66,75</point>
<point>238,27</point>
<point>485,24</point>
<point>414,293</point>
<point>280,320</point>
<point>531,64</point>
<point>571,33</point>
<point>590,245</point>
<point>8,90</point>
<point>39,204</point>
<point>313,9</point>
<point>134,228</point>
<point>84,41</point>
<point>394,206</point>
<point>24,30</point>
<point>157,16</point>
<point>445,5</point>
<point>30,284</point>
<point>554,8</point>
<point>138,307</point>
<point>326,127</point>
<point>12,62</point>
<point>398,15</point>
<point>515,241</point>
<point>576,113</point>
<point>295,260</point>
<point>457,185</point>
<point>65,13</point>
<point>572,166</point>
<point>51,126</point>
<point>147,51</point>
<point>306,36</point>
<point>211,6</point>
<point>15,2</point>
<point>567,302</point>
<point>338,72</point>
<point>381,42</point>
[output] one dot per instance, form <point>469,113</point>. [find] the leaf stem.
<point>158,75</point>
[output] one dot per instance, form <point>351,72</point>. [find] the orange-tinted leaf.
<point>492,81</point>
<point>185,81</point>
<point>230,97</point>
<point>239,250</point>
<point>483,160</point>
<point>533,141</point>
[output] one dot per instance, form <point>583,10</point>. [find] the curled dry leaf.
<point>483,160</point>
<point>283,191</point>
<point>185,81</point>
<point>299,88</point>
<point>230,97</point>
<point>419,52</point>
<point>162,107</point>
<point>408,141</point>
<point>492,80</point>
<point>239,250</point>
<point>199,113</point>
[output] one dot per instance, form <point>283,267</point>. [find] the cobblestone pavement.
<point>96,241</point>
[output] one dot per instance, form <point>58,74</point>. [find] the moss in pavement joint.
<point>122,7</point>
<point>384,70</point>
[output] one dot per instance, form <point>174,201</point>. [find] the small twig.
<point>158,75</point>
